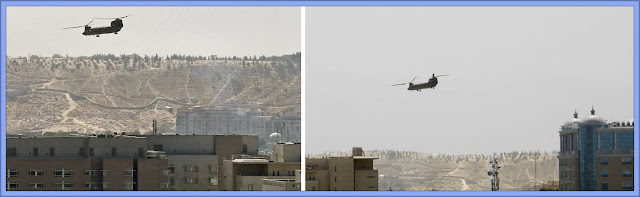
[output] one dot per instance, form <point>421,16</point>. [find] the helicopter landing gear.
<point>98,35</point>
<point>115,33</point>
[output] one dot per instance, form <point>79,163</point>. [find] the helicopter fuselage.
<point>417,87</point>
<point>115,27</point>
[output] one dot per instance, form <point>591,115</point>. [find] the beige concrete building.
<point>596,155</point>
<point>251,173</point>
<point>355,173</point>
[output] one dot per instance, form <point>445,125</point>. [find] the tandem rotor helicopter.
<point>115,27</point>
<point>433,81</point>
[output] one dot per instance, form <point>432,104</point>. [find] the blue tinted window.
<point>604,173</point>
<point>624,141</point>
<point>627,173</point>
<point>606,142</point>
<point>604,161</point>
<point>627,160</point>
<point>627,186</point>
<point>605,186</point>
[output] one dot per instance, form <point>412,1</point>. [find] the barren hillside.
<point>125,93</point>
<point>413,171</point>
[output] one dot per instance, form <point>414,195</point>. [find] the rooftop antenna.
<point>155,127</point>
<point>493,174</point>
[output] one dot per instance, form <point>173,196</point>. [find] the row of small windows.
<point>213,181</point>
<point>625,186</point>
<point>624,161</point>
<point>625,173</point>
<point>13,152</point>
<point>192,168</point>
<point>65,185</point>
<point>66,173</point>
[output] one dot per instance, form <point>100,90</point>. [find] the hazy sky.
<point>224,31</point>
<point>517,73</point>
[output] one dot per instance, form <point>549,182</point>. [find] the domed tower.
<point>275,138</point>
<point>593,119</point>
<point>572,123</point>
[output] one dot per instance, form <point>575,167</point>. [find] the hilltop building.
<point>354,173</point>
<point>596,155</point>
<point>207,121</point>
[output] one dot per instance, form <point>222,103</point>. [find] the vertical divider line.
<point>302,102</point>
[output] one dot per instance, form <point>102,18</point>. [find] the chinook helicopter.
<point>433,81</point>
<point>115,27</point>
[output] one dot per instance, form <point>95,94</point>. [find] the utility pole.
<point>493,174</point>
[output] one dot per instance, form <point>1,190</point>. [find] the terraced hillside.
<point>413,171</point>
<point>109,93</point>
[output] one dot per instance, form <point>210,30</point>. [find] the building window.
<point>106,185</point>
<point>91,185</point>
<point>62,173</point>
<point>63,185</point>
<point>191,180</point>
<point>604,161</point>
<point>113,152</point>
<point>624,141</point>
<point>90,152</point>
<point>81,152</point>
<point>335,179</point>
<point>313,189</point>
<point>604,173</point>
<point>106,172</point>
<point>128,173</point>
<point>335,168</point>
<point>627,186</point>
<point>36,185</point>
<point>12,185</point>
<point>627,173</point>
<point>90,173</point>
<point>128,185</point>
<point>52,152</point>
<point>213,169</point>
<point>606,141</point>
<point>605,186</point>
<point>371,177</point>
<point>12,173</point>
<point>36,172</point>
<point>191,168</point>
<point>157,147</point>
<point>213,181</point>
<point>250,187</point>
<point>172,169</point>
<point>627,160</point>
<point>12,152</point>
<point>172,181</point>
<point>35,151</point>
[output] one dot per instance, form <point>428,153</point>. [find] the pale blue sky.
<point>225,31</point>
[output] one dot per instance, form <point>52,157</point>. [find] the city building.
<point>354,173</point>
<point>595,154</point>
<point>104,162</point>
<point>121,162</point>
<point>208,121</point>
<point>257,173</point>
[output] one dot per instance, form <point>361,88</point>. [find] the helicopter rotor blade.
<point>79,26</point>
<point>73,27</point>
<point>399,84</point>
<point>115,18</point>
<point>442,75</point>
